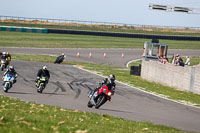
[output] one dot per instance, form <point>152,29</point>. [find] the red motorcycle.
<point>98,98</point>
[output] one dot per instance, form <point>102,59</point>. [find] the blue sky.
<point>116,11</point>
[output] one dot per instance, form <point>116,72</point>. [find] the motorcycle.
<point>8,81</point>
<point>59,60</point>
<point>100,97</point>
<point>41,84</point>
<point>3,64</point>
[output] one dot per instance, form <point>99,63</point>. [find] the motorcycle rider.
<point>42,72</point>
<point>7,57</point>
<point>11,71</point>
<point>60,58</point>
<point>110,82</point>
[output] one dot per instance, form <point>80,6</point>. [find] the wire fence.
<point>78,22</point>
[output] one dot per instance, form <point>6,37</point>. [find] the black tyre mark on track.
<point>27,81</point>
<point>53,73</point>
<point>77,90</point>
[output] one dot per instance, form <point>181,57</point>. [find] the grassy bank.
<point>18,39</point>
<point>17,116</point>
<point>123,75</point>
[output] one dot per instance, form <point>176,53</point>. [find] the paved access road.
<point>68,88</point>
<point>113,56</point>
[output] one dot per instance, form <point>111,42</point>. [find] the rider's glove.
<point>38,77</point>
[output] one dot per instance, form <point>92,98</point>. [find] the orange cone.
<point>104,55</point>
<point>90,55</point>
<point>122,55</point>
<point>78,54</point>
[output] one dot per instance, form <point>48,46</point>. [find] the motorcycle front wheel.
<point>40,88</point>
<point>6,88</point>
<point>89,104</point>
<point>2,67</point>
<point>100,101</point>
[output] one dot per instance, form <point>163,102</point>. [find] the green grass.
<point>135,63</point>
<point>25,117</point>
<point>18,39</point>
<point>123,75</point>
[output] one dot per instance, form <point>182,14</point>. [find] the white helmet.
<point>11,68</point>
<point>44,67</point>
<point>112,77</point>
<point>63,54</point>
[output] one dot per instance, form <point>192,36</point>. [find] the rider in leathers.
<point>11,71</point>
<point>110,82</point>
<point>7,57</point>
<point>42,72</point>
<point>60,59</point>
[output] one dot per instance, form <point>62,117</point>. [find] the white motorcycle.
<point>3,64</point>
<point>8,81</point>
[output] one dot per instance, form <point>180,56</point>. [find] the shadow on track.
<point>53,93</point>
<point>14,92</point>
<point>115,110</point>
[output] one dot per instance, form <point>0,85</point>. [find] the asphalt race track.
<point>68,88</point>
<point>113,56</point>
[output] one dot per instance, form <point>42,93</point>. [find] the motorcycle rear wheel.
<point>100,101</point>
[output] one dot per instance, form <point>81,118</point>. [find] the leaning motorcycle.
<point>3,64</point>
<point>100,97</point>
<point>41,84</point>
<point>8,81</point>
<point>59,60</point>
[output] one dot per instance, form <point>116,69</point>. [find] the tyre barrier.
<point>23,29</point>
<point>126,35</point>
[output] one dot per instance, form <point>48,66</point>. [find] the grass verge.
<point>17,116</point>
<point>123,75</point>
<point>18,39</point>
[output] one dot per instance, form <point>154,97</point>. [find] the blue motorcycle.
<point>8,81</point>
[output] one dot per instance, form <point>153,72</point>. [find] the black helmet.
<point>11,68</point>
<point>112,77</point>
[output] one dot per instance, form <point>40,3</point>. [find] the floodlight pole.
<point>174,8</point>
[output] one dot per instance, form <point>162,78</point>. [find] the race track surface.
<point>68,88</point>
<point>113,56</point>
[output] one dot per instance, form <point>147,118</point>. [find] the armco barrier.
<point>145,36</point>
<point>23,29</point>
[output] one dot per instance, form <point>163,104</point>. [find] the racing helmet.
<point>112,77</point>
<point>11,68</point>
<point>4,53</point>
<point>44,67</point>
<point>63,54</point>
